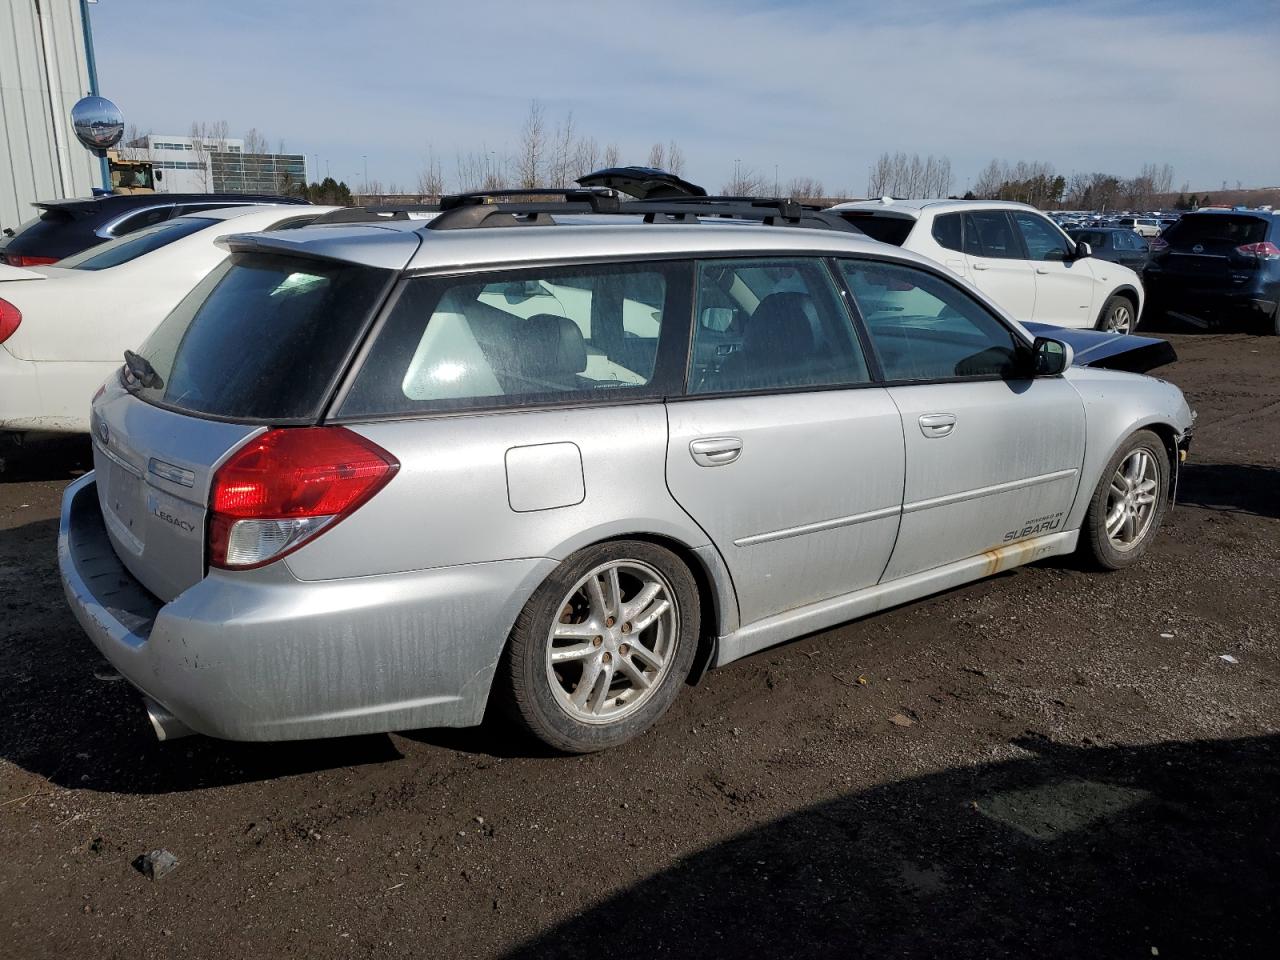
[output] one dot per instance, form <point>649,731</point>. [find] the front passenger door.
<point>993,456</point>
<point>1064,283</point>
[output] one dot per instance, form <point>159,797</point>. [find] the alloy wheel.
<point>1131,500</point>
<point>613,642</point>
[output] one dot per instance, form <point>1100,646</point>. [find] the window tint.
<point>1043,240</point>
<point>946,230</point>
<point>262,337</point>
<point>924,328</point>
<point>886,229</point>
<point>116,252</point>
<point>1232,229</point>
<point>523,337</point>
<point>768,324</point>
<point>989,233</point>
<point>143,218</point>
<point>1096,239</point>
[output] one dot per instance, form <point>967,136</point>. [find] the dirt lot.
<point>1074,770</point>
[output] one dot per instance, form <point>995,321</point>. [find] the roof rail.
<point>359,215</point>
<point>484,209</point>
<point>599,199</point>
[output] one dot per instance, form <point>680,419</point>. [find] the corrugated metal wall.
<point>41,46</point>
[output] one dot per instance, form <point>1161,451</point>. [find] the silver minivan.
<point>370,477</point>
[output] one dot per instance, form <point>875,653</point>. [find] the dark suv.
<point>65,227</point>
<point>1215,266</point>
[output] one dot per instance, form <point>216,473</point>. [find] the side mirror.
<point>1052,357</point>
<point>1083,250</point>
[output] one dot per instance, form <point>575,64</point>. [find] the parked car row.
<point>386,475</point>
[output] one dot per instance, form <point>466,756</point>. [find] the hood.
<point>643,183</point>
<point>1109,351</point>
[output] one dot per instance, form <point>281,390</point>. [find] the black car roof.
<point>84,206</point>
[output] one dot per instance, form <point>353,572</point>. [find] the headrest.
<point>781,322</point>
<point>549,344</point>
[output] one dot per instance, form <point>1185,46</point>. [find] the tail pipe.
<point>165,724</point>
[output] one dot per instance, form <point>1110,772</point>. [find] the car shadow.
<point>1171,850</point>
<point>1236,487</point>
<point>50,458</point>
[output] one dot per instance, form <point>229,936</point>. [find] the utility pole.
<point>737,176</point>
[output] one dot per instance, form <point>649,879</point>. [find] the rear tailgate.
<point>1204,245</point>
<point>261,342</point>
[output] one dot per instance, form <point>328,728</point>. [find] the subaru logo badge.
<point>1198,248</point>
<point>104,432</point>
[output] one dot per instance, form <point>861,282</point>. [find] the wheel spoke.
<point>600,695</point>
<point>595,595</point>
<point>586,683</point>
<point>646,619</point>
<point>579,651</point>
<point>574,631</point>
<point>648,656</point>
<point>614,593</point>
<point>634,673</point>
<point>1114,521</point>
<point>1130,529</point>
<point>641,600</point>
<point>1119,485</point>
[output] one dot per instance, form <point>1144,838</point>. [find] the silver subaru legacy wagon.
<point>371,477</point>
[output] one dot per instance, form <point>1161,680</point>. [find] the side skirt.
<point>850,606</point>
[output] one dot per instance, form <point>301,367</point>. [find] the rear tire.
<point>1129,503</point>
<point>1118,315</point>
<point>602,648</point>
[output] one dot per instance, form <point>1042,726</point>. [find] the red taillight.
<point>1158,243</point>
<point>285,487</point>
<point>1266,250</point>
<point>18,260</point>
<point>10,320</point>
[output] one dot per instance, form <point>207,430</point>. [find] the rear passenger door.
<point>783,450</point>
<point>1064,284</point>
<point>996,262</point>
<point>993,456</point>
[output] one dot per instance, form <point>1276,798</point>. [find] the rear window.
<point>262,338</point>
<point>1228,228</point>
<point>135,245</point>
<point>886,229</point>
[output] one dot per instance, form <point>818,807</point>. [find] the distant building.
<point>45,56</point>
<point>202,165</point>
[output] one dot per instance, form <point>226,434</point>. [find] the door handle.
<point>715,451</point>
<point>934,425</point>
<point>1042,269</point>
<point>979,265</point>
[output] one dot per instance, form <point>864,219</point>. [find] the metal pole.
<point>92,64</point>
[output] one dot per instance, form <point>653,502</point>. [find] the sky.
<point>816,89</point>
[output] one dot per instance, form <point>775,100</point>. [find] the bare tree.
<point>804,188</point>
<point>562,154</point>
<point>747,182</point>
<point>675,158</point>
<point>612,156</point>
<point>586,157</point>
<point>658,157</point>
<point>255,142</point>
<point>900,175</point>
<point>431,176</point>
<point>207,139</point>
<point>531,154</point>
<point>134,145</point>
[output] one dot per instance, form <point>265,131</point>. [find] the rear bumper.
<point>1170,292</point>
<point>264,656</point>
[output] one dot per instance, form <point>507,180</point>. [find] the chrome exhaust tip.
<point>165,724</point>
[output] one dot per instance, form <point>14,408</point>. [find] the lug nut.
<point>624,649</point>
<point>606,658</point>
<point>626,628</point>
<point>610,622</point>
<point>597,641</point>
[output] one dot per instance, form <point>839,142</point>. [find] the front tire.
<point>1118,315</point>
<point>601,649</point>
<point>1129,503</point>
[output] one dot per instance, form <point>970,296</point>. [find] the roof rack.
<point>359,215</point>
<point>485,209</point>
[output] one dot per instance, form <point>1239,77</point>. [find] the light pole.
<point>365,158</point>
<point>737,177</point>
<point>775,180</point>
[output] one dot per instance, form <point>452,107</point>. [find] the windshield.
<point>134,245</point>
<point>1222,227</point>
<point>262,338</point>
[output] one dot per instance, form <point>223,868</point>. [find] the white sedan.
<point>64,328</point>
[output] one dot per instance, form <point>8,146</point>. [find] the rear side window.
<point>135,245</point>
<point>946,230</point>
<point>520,338</point>
<point>1232,229</point>
<point>261,338</point>
<point>886,229</point>
<point>1044,241</point>
<point>990,233</point>
<point>143,218</point>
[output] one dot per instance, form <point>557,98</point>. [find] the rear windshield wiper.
<point>142,370</point>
